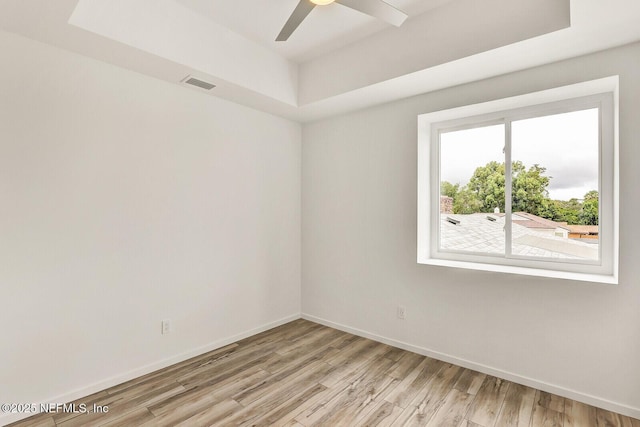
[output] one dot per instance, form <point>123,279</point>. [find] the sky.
<point>566,144</point>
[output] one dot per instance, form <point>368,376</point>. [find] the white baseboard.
<point>143,370</point>
<point>509,376</point>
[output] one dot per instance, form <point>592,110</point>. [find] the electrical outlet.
<point>402,312</point>
<point>166,326</point>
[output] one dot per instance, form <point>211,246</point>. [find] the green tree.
<point>448,189</point>
<point>529,188</point>
<point>486,191</point>
<point>466,202</point>
<point>567,211</point>
<point>487,184</point>
<point>590,209</point>
<point>549,210</point>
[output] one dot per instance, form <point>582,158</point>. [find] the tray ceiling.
<point>339,59</point>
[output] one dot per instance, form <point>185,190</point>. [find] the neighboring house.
<point>590,232</point>
<point>541,225</point>
<point>559,229</point>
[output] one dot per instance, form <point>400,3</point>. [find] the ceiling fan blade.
<point>378,9</point>
<point>301,11</point>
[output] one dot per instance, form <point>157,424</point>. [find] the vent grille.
<point>453,221</point>
<point>199,83</point>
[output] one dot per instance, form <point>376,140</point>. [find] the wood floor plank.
<point>346,341</point>
<point>85,418</point>
<point>237,383</point>
<point>353,351</point>
<point>517,407</point>
<point>359,405</point>
<point>300,378</point>
<point>133,418</point>
<point>124,407</point>
<point>229,366</point>
<point>395,353</point>
<point>276,397</point>
<point>279,413</point>
<point>470,381</point>
<point>367,348</point>
<point>467,423</point>
<point>291,330</point>
<point>404,393</point>
<point>41,420</point>
<point>315,401</point>
<point>189,399</point>
<point>610,419</point>
<point>550,401</point>
<point>578,414</point>
<point>488,401</point>
<point>181,407</point>
<point>430,397</point>
<point>102,397</point>
<point>302,368</point>
<point>321,339</point>
<point>453,410</point>
<point>212,415</point>
<point>543,415</point>
<point>345,371</point>
<point>406,364</point>
<point>356,400</point>
<point>382,415</point>
<point>150,387</point>
<point>223,373</point>
<point>280,366</point>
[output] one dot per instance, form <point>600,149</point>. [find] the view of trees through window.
<point>485,192</point>
<point>554,187</point>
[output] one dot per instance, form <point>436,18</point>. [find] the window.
<point>524,185</point>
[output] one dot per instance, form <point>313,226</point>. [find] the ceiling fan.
<point>376,8</point>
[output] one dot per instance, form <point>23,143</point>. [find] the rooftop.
<point>484,233</point>
<point>534,221</point>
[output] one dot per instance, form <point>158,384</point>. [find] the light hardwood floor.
<point>305,374</point>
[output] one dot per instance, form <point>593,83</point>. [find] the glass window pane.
<point>555,186</point>
<point>472,190</point>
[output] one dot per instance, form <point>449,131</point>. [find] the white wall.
<point>359,251</point>
<point>125,200</point>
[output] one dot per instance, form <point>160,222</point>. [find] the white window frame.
<point>602,93</point>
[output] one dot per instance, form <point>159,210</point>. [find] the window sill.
<point>566,275</point>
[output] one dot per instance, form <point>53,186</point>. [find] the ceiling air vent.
<point>199,83</point>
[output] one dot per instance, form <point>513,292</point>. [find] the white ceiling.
<point>339,59</point>
<point>327,28</point>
